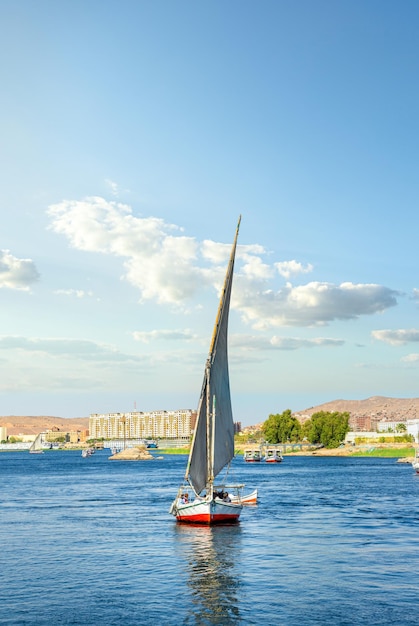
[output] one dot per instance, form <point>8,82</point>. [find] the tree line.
<point>328,429</point>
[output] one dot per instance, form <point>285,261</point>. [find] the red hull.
<point>208,519</point>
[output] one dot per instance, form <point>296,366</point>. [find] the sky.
<point>134,133</point>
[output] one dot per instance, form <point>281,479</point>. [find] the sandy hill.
<point>32,425</point>
<point>376,406</point>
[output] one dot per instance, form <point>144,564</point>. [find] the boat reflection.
<point>211,555</point>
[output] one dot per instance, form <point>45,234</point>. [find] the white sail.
<point>36,447</point>
<point>213,442</point>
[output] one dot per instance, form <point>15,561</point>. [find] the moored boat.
<point>273,455</point>
<point>87,452</point>
<point>198,500</point>
<point>252,455</point>
<point>249,498</point>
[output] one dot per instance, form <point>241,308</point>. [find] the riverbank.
<point>365,450</point>
<point>395,450</point>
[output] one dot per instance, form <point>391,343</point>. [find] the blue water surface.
<point>90,541</point>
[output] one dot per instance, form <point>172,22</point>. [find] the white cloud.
<point>78,293</point>
<point>312,304</point>
<point>293,343</point>
<point>411,358</point>
<point>71,348</point>
<point>396,337</point>
<point>171,335</point>
<point>16,273</point>
<point>254,342</point>
<point>289,268</point>
<point>159,264</point>
<point>112,186</point>
<point>170,268</point>
<point>256,269</point>
<point>216,253</point>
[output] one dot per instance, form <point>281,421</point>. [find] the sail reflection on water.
<point>211,556</point>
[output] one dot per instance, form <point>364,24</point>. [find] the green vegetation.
<point>171,450</point>
<point>395,439</point>
<point>387,452</point>
<point>281,428</point>
<point>328,429</point>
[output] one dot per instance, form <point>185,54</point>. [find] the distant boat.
<point>87,452</point>
<point>252,455</point>
<point>415,463</point>
<point>36,447</point>
<point>273,455</point>
<point>198,500</point>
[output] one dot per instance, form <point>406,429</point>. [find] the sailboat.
<point>199,500</point>
<point>36,447</point>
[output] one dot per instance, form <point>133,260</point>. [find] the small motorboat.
<point>252,455</point>
<point>273,455</point>
<point>249,498</point>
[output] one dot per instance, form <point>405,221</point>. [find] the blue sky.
<point>133,135</point>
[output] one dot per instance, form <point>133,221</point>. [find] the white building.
<point>142,425</point>
<point>387,430</point>
<point>385,426</point>
<point>413,429</point>
<point>371,436</point>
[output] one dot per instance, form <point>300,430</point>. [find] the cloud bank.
<point>170,268</point>
<point>397,337</point>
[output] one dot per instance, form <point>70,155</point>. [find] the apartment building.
<point>142,425</point>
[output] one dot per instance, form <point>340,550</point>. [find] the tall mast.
<point>210,458</point>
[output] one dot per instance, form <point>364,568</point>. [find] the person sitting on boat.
<point>226,497</point>
<point>185,498</point>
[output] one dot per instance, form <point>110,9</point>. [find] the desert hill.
<point>363,413</point>
<point>32,425</point>
<point>378,407</point>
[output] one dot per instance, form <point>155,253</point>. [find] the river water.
<point>90,541</point>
